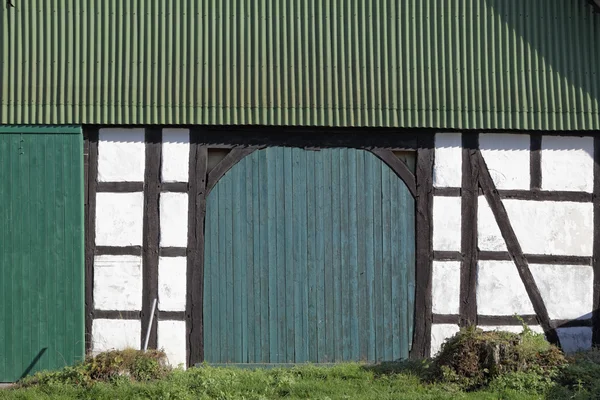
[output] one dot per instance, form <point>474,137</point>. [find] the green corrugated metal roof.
<point>488,64</point>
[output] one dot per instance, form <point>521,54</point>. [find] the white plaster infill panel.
<point>447,170</point>
<point>446,223</point>
<point>507,156</point>
<point>171,337</point>
<point>512,328</point>
<point>542,227</point>
<point>567,290</point>
<point>175,155</point>
<point>575,339</point>
<point>173,219</point>
<point>115,334</point>
<point>446,287</point>
<point>500,290</point>
<point>439,334</point>
<point>118,283</point>
<point>119,219</point>
<point>568,163</point>
<point>172,283</point>
<point>121,155</point>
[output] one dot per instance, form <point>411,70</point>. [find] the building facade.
<point>295,181</point>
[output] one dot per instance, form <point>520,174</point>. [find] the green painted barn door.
<point>309,257</point>
<point>41,249</point>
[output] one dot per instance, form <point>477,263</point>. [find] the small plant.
<point>473,358</point>
<point>110,366</point>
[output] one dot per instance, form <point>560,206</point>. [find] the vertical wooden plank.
<point>353,276</point>
<point>271,217</point>
<point>281,253</point>
<point>244,245</point>
<point>211,293</point>
<point>368,297</point>
<point>290,244</point>
<point>396,267</point>
<point>319,245</point>
<point>151,229</point>
<point>337,263</point>
<point>264,256</point>
<point>329,210</point>
<point>468,269</point>
<point>224,318</point>
<point>256,212</point>
<point>408,232</point>
<point>378,256</point>
<point>386,215</point>
<point>406,229</point>
<point>424,249</point>
<point>91,183</point>
<point>237,250</point>
<point>25,299</point>
<point>596,248</point>
<point>311,258</point>
<point>345,271</point>
<point>250,254</point>
<point>362,226</point>
<point>228,265</point>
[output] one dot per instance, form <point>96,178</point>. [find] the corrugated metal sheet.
<point>41,250</point>
<point>487,64</point>
<point>309,257</point>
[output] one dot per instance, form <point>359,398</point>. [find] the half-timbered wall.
<point>504,226</point>
<point>545,184</point>
<point>137,239</point>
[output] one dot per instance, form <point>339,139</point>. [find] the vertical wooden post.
<point>468,268</point>
<point>195,259</point>
<point>91,183</point>
<point>151,229</point>
<point>423,317</point>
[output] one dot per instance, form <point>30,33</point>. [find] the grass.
<point>345,381</point>
<point>472,365</point>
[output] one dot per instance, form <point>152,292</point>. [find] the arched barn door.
<point>309,256</point>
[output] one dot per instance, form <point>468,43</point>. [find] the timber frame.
<point>238,142</point>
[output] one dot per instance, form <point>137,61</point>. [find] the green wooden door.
<point>41,249</point>
<point>309,257</point>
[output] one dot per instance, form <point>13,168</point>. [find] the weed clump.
<point>111,366</point>
<point>473,358</point>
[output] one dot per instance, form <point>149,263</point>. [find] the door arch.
<point>309,256</point>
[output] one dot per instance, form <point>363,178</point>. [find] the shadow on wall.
<point>33,363</point>
<point>575,335</point>
<point>555,66</point>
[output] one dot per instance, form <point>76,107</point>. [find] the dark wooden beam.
<point>535,161</point>
<point>91,181</point>
<point>447,192</point>
<point>177,187</point>
<point>468,268</point>
<point>119,251</point>
<point>514,247</point>
<point>195,260</point>
<point>399,168</point>
<point>423,317</point>
<point>117,314</point>
<point>173,252</point>
<point>151,229</point>
<point>120,187</point>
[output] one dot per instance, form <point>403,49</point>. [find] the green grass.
<point>345,381</point>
